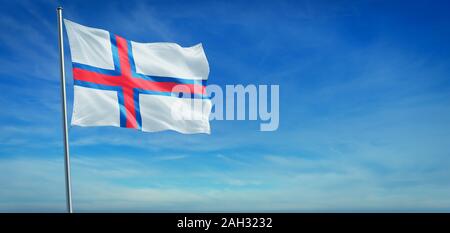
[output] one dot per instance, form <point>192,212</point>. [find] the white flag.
<point>147,86</point>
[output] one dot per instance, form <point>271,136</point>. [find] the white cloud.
<point>108,184</point>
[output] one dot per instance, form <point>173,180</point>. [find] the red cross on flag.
<point>146,86</point>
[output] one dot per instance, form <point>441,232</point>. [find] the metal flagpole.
<point>64,111</point>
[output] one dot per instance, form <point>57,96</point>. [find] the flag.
<point>146,86</point>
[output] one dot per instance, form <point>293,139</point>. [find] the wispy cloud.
<point>364,112</point>
<point>103,184</point>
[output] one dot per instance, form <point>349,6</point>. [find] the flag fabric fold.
<point>146,86</point>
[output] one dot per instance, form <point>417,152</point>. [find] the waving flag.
<point>146,86</point>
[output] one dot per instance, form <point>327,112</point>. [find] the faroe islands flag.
<point>147,86</point>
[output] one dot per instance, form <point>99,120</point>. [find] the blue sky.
<point>364,110</point>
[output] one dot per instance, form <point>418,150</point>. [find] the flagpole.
<point>64,111</point>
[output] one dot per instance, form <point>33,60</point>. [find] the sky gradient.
<point>364,110</point>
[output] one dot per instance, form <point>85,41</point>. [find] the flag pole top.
<point>59,8</point>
